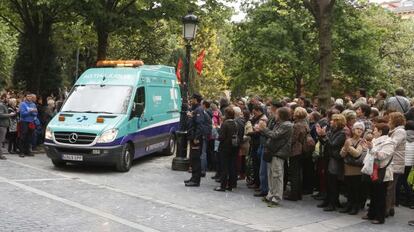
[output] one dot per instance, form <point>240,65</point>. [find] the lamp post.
<point>181,162</point>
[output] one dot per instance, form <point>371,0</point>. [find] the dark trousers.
<point>402,182</point>
<point>308,174</point>
<point>228,168</point>
<point>12,137</point>
<point>256,165</point>
<point>377,205</point>
<point>210,155</point>
<point>26,137</point>
<point>295,177</point>
<point>322,169</point>
<point>353,186</point>
<point>195,160</point>
<point>333,190</point>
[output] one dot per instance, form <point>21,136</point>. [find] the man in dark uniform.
<point>196,124</point>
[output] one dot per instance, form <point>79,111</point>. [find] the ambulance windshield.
<point>109,99</point>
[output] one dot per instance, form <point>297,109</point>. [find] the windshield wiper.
<point>97,112</point>
<point>71,111</point>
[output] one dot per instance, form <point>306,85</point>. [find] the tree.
<point>322,13</point>
<point>36,68</point>
<point>275,50</point>
<point>109,16</point>
<point>8,36</point>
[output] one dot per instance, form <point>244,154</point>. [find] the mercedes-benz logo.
<point>73,138</point>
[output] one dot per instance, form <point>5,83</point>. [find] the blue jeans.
<point>264,185</point>
<point>204,157</point>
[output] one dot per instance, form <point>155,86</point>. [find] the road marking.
<point>80,206</point>
<point>37,180</point>
<point>147,198</point>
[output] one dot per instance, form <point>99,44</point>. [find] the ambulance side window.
<point>139,101</point>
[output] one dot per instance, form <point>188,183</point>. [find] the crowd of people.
<point>23,120</point>
<point>360,148</point>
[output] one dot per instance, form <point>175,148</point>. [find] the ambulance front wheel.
<point>172,146</point>
<point>58,163</point>
<point>125,159</point>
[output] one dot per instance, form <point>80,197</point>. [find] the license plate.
<point>72,157</point>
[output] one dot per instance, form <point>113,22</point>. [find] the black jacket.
<point>227,130</point>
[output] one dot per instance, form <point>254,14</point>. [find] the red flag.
<point>178,71</point>
<point>199,62</point>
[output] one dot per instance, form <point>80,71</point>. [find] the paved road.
<point>34,196</point>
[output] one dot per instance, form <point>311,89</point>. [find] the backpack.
<point>235,140</point>
<point>309,144</point>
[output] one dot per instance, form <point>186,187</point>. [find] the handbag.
<point>378,173</point>
<point>355,161</point>
<point>368,165</point>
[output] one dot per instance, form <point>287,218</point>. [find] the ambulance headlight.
<point>48,133</point>
<point>108,136</point>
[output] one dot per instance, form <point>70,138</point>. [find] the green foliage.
<point>8,48</point>
<point>275,48</point>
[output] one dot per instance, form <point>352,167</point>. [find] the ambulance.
<point>115,113</point>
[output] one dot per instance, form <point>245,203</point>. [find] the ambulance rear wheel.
<point>125,159</point>
<point>171,148</point>
<point>59,163</point>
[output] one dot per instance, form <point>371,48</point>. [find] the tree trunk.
<point>299,87</point>
<point>103,36</point>
<point>325,62</point>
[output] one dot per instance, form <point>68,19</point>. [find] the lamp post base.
<point>180,164</point>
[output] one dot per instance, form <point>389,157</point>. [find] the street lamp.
<point>181,162</point>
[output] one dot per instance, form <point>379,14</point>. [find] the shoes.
<point>192,184</point>
<point>187,181</point>
<point>353,212</point>
<point>21,155</point>
<point>220,189</point>
<point>203,174</point>
<point>366,217</point>
<point>376,222</point>
<point>218,180</point>
<point>272,204</point>
<point>260,194</point>
<point>215,177</point>
<point>264,199</point>
<point>411,223</point>
<point>29,154</point>
<point>229,189</point>
<point>391,212</point>
<point>2,157</point>
<point>345,210</point>
<point>329,208</point>
<point>12,152</point>
<point>322,205</point>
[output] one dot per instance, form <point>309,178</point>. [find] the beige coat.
<point>399,137</point>
<point>350,170</point>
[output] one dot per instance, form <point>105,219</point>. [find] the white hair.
<point>237,111</point>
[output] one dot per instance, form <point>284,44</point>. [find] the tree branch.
<point>11,24</point>
<point>330,6</point>
<point>309,6</point>
<point>127,6</point>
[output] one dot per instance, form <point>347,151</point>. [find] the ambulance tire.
<point>172,146</point>
<point>125,159</point>
<point>58,163</point>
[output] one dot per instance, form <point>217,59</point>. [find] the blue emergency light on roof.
<point>119,63</point>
